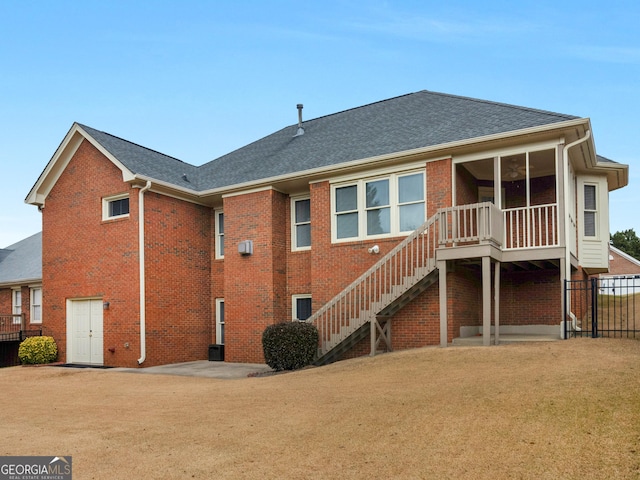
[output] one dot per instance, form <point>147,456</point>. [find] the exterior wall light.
<point>375,249</point>
<point>105,305</point>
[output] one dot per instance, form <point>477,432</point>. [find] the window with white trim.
<point>377,207</point>
<point>36,305</point>
<point>300,307</point>
<point>220,321</point>
<point>116,206</point>
<point>219,226</point>
<point>16,304</point>
<point>590,210</point>
<point>300,223</point>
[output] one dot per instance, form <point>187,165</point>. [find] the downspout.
<point>567,226</point>
<point>143,313</point>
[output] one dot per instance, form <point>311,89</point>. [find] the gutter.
<point>143,312</point>
<point>567,231</point>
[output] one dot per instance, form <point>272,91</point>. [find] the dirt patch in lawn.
<point>539,410</point>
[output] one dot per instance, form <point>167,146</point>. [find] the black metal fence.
<point>603,307</point>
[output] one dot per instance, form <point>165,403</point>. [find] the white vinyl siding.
<point>593,227</point>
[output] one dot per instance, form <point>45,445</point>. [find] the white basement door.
<point>86,332</point>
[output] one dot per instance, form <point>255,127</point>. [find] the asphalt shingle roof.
<point>22,260</point>
<point>412,121</point>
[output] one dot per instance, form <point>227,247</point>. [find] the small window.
<point>590,210</point>
<point>16,300</point>
<point>115,207</point>
<point>36,305</point>
<point>220,321</point>
<point>301,223</point>
<point>219,226</point>
<point>301,307</point>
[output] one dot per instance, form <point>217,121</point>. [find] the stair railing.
<point>396,272</point>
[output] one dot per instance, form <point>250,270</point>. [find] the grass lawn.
<point>557,410</point>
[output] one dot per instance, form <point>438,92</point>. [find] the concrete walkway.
<point>203,368</point>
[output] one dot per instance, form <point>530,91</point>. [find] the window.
<point>590,210</point>
<point>16,300</point>
<point>300,223</point>
<point>219,226</point>
<point>36,305</point>
<point>377,207</point>
<point>115,207</point>
<point>301,307</point>
<point>220,321</point>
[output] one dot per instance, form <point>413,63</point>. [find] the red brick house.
<point>399,224</point>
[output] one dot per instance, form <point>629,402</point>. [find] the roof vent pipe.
<point>300,130</point>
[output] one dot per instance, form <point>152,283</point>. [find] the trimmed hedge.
<point>38,350</point>
<point>290,345</point>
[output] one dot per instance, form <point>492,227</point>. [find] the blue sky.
<point>197,79</point>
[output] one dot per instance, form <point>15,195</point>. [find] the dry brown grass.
<point>540,410</point>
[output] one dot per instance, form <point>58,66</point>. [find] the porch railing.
<point>402,268</point>
<point>531,227</point>
<point>468,224</point>
<point>12,326</point>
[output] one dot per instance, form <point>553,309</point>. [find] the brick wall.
<point>178,276</point>
<point>254,285</point>
<point>85,257</point>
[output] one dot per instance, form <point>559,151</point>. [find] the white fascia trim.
<point>245,192</point>
<point>501,152</point>
<point>406,154</point>
<point>27,282</point>
<point>61,159</point>
<point>624,255</point>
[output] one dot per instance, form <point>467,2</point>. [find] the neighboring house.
<point>623,277</point>
<point>21,281</point>
<point>394,225</point>
<point>20,295</point>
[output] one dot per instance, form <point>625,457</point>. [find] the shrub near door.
<point>37,350</point>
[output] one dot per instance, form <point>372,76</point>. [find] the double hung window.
<point>301,223</point>
<point>590,210</point>
<point>386,206</point>
<point>219,226</point>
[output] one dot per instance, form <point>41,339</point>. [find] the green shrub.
<point>290,345</point>
<point>38,350</point>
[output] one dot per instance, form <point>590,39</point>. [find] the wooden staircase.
<point>366,306</point>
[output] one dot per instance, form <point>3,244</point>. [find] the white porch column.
<point>486,301</point>
<point>442,284</point>
<point>496,286</point>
